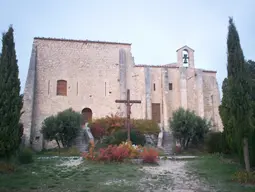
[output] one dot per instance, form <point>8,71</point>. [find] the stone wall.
<point>199,92</point>
<point>148,84</point>
<point>212,99</point>
<point>174,95</point>
<point>98,73</point>
<point>29,97</point>
<point>122,78</point>
<point>92,74</point>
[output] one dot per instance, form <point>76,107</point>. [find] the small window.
<point>170,86</point>
<point>154,86</point>
<point>62,87</point>
<point>77,88</point>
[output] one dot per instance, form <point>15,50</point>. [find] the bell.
<point>185,57</point>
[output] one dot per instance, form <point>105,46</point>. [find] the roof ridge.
<point>82,41</point>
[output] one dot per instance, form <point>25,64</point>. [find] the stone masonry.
<point>97,73</point>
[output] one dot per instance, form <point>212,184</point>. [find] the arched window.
<point>87,115</point>
<point>62,87</point>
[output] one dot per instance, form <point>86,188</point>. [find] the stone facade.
<point>98,73</point>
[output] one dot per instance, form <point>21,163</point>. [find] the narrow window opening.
<point>154,86</point>
<point>170,86</point>
<point>62,87</point>
<point>104,88</point>
<point>48,87</point>
<point>77,88</point>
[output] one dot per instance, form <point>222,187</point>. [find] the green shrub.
<point>25,156</point>
<point>114,123</point>
<point>145,126</point>
<point>216,143</point>
<point>121,136</point>
<point>188,127</point>
<point>137,137</point>
<point>63,127</point>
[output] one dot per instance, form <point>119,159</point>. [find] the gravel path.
<point>172,176</point>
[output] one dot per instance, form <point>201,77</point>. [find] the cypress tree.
<point>239,93</point>
<point>10,98</point>
<point>224,111</point>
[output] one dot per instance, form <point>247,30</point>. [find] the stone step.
<point>81,141</point>
<point>151,140</point>
<point>167,143</point>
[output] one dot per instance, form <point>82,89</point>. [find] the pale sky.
<point>156,28</point>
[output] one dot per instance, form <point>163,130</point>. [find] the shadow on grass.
<point>46,175</point>
<point>218,173</point>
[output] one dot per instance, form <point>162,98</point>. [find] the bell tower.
<point>185,57</point>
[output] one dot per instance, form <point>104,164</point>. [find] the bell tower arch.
<point>185,57</point>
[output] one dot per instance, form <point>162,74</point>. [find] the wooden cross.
<point>128,103</point>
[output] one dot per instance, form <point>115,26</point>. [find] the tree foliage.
<point>237,108</point>
<point>63,127</point>
<point>230,135</point>
<point>239,86</point>
<point>188,127</point>
<point>227,120</point>
<point>10,98</point>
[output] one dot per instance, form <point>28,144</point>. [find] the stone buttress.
<point>29,99</point>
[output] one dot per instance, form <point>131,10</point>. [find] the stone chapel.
<point>90,75</point>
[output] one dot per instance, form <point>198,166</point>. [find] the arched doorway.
<point>86,115</point>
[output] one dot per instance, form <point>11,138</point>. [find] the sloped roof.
<point>185,46</point>
<point>82,41</point>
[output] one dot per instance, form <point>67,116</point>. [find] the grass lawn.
<point>55,174</point>
<point>218,173</point>
<point>45,175</point>
<point>60,152</point>
<point>59,174</point>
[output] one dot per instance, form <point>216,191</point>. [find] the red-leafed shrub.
<point>113,153</point>
<point>111,123</point>
<point>149,155</point>
<point>97,130</point>
<point>120,153</point>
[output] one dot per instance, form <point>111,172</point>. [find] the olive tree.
<point>63,127</point>
<point>188,127</point>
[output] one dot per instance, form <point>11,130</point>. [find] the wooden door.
<point>155,112</point>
